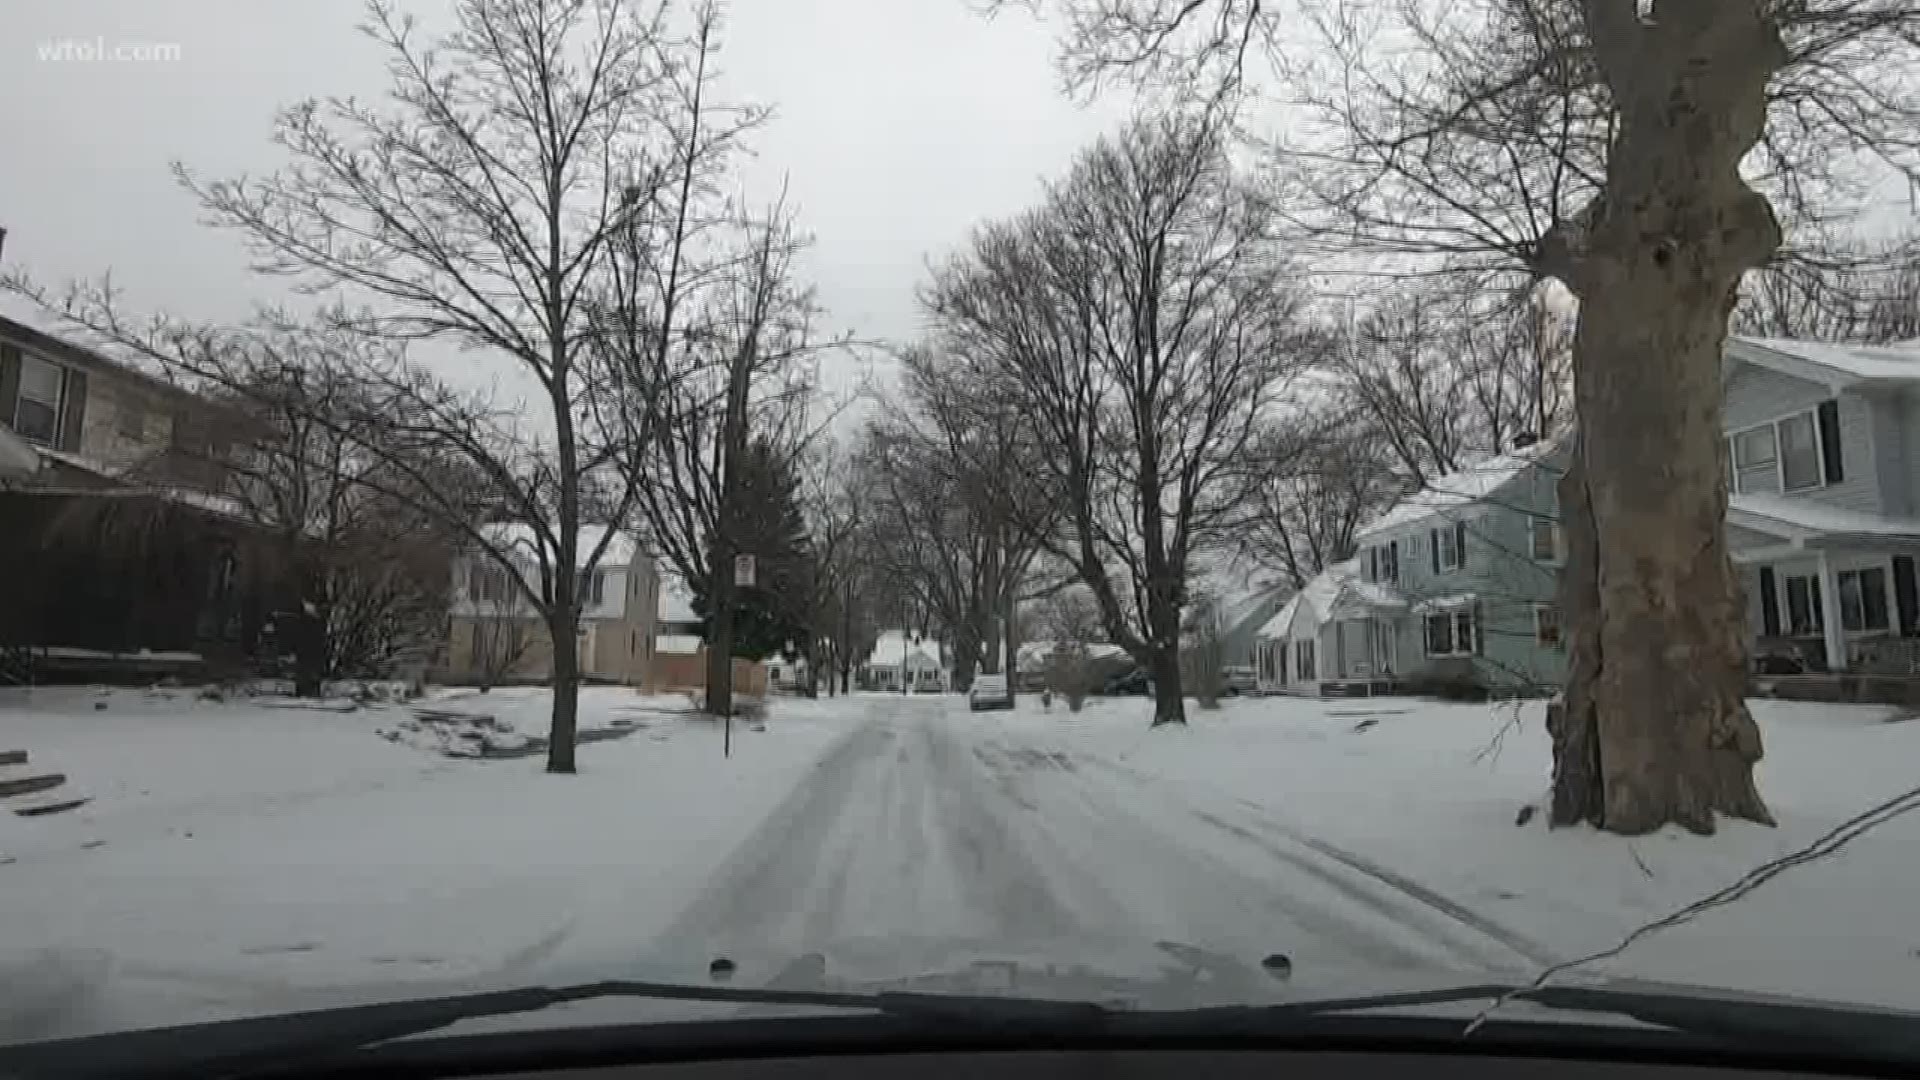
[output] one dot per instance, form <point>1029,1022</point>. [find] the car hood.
<point>63,993</point>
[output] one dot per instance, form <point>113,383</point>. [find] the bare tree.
<point>1604,143</point>
<point>744,376</point>
<point>1144,319</point>
<point>480,203</point>
<point>1316,482</point>
<point>1072,619</point>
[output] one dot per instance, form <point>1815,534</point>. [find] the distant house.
<point>1455,583</point>
<point>494,633</point>
<point>897,652</point>
<point>86,437</point>
<point>1823,515</point>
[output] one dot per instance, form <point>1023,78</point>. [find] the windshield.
<point>1165,503</point>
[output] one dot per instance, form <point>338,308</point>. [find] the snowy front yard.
<point>1430,793</point>
<point>238,857</point>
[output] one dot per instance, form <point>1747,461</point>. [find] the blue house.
<point>1454,584</point>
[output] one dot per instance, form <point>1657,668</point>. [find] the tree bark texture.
<point>1654,727</point>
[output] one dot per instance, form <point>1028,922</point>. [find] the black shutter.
<point>74,401</point>
<point>1829,413</point>
<point>1905,598</point>
<point>1460,544</point>
<point>1433,546</point>
<point>1769,604</point>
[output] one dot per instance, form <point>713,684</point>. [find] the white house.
<point>1320,637</point>
<point>919,655</point>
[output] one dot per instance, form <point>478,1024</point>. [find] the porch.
<point>1828,590</point>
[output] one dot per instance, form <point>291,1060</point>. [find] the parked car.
<point>1236,680</point>
<point>989,692</point>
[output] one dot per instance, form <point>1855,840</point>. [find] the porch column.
<point>1832,632</point>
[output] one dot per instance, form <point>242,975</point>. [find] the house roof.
<point>1339,587</point>
<point>1476,482</point>
<point>1831,363</point>
<point>1801,520</point>
<point>514,534</point>
<point>24,321</point>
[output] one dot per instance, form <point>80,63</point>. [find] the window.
<point>1794,453</point>
<point>1450,547</point>
<point>1546,626</point>
<point>1544,533</point>
<point>594,587</point>
<point>1303,659</point>
<point>1799,453</point>
<point>1863,599</point>
<point>1450,633</point>
<point>36,412</point>
<point>1803,605</point>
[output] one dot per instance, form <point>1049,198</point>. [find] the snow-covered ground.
<point>243,859</point>
<point>1430,793</point>
<point>239,858</point>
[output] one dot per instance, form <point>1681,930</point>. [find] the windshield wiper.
<point>1734,1016</point>
<point>253,1044</point>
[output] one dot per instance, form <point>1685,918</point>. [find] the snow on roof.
<point>1446,603</point>
<point>1036,652</point>
<point>1329,592</point>
<point>1768,512</point>
<point>1873,363</point>
<point>514,534</point>
<point>1472,484</point>
<point>677,644</point>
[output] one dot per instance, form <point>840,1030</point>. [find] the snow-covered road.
<point>930,822</point>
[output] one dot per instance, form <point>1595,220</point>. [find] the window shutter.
<point>73,408</point>
<point>9,382</point>
<point>1433,548</point>
<point>1769,604</point>
<point>1906,598</point>
<point>1460,544</point>
<point>1829,414</point>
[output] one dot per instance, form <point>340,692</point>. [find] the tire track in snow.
<point>929,825</point>
<point>1284,843</point>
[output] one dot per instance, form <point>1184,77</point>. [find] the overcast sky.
<point>901,123</point>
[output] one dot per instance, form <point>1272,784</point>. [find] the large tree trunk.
<point>1009,627</point>
<point>1658,678</point>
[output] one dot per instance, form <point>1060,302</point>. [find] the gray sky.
<point>901,124</point>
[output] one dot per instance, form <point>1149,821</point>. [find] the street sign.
<point>743,571</point>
